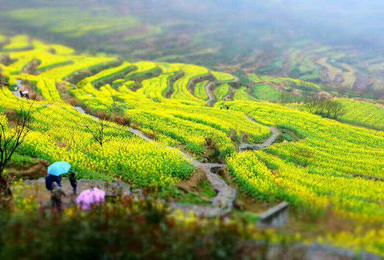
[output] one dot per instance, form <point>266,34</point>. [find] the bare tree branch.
<point>12,137</point>
<point>98,134</point>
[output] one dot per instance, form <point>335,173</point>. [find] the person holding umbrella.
<point>50,179</point>
<point>55,171</point>
<point>73,181</point>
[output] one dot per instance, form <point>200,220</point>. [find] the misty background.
<point>356,22</point>
<point>296,38</point>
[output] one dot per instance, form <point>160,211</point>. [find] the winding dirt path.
<point>19,87</point>
<point>38,190</point>
<point>268,142</point>
<point>222,204</point>
<point>210,89</point>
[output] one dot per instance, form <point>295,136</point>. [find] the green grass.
<point>200,90</point>
<point>3,38</point>
<point>363,113</point>
<point>335,64</point>
<point>17,43</point>
<point>287,83</point>
<point>72,21</point>
<point>276,65</point>
<point>221,91</point>
<point>266,92</point>
<point>192,199</point>
<point>313,77</point>
<point>207,190</point>
<point>251,217</point>
<point>242,94</point>
<point>203,196</point>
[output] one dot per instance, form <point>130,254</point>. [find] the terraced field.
<point>335,167</point>
<point>332,167</point>
<point>342,68</point>
<point>364,113</point>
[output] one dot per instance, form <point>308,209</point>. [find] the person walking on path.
<point>55,171</point>
<point>56,196</point>
<point>73,181</point>
<point>50,179</point>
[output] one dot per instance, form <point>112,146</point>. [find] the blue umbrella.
<point>59,168</point>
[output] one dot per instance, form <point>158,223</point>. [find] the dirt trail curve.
<point>19,87</point>
<point>268,142</point>
<point>210,89</point>
<point>221,204</point>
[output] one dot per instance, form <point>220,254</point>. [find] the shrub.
<point>123,229</point>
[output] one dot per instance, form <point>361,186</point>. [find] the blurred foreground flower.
<point>90,197</point>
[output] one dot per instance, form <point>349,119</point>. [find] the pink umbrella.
<point>89,197</point>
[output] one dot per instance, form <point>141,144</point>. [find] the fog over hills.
<point>294,38</point>
<point>353,21</point>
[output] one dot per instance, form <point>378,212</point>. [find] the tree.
<point>98,133</point>
<point>292,97</point>
<point>12,135</point>
<point>323,96</point>
<point>312,103</point>
<point>323,104</point>
<point>336,109</point>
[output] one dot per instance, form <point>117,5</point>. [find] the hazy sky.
<point>355,21</point>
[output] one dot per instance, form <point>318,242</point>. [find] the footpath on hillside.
<point>221,205</point>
